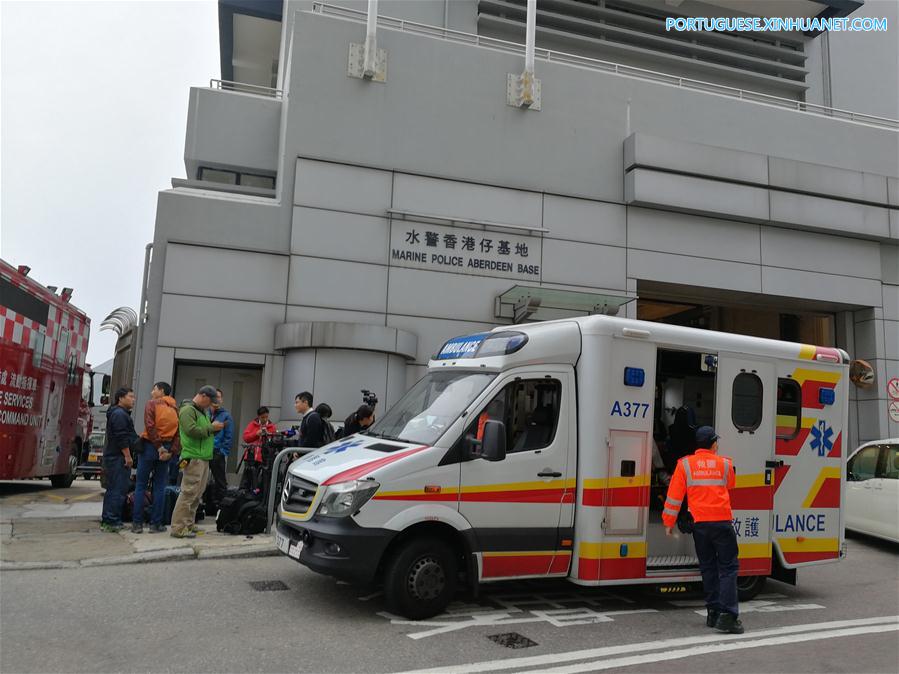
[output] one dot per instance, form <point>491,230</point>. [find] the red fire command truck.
<point>44,388</point>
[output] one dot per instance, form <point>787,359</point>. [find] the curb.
<point>176,554</point>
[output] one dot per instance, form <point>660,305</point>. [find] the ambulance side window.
<point>746,403</point>
<point>529,409</point>
<point>789,408</point>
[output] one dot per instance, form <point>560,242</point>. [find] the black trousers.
<point>717,550</point>
<point>219,468</point>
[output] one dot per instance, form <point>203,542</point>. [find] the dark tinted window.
<point>746,403</point>
<point>863,466</point>
<point>789,409</point>
<point>890,466</point>
<point>22,302</point>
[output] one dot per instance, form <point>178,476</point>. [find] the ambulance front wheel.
<point>420,579</point>
<point>749,586</point>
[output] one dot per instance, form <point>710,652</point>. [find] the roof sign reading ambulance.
<point>481,345</point>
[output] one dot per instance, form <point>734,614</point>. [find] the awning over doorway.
<point>521,302</point>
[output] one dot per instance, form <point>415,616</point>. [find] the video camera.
<point>369,398</point>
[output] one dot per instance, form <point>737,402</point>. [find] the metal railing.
<point>244,88</point>
<point>551,56</point>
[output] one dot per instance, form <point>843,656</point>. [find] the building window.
<point>789,409</point>
<point>217,176</point>
<point>253,180</point>
<point>746,402</point>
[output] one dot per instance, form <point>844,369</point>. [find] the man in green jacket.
<point>197,439</point>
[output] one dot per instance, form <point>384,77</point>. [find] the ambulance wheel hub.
<point>426,579</point>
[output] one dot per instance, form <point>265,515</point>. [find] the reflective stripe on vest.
<point>717,482</point>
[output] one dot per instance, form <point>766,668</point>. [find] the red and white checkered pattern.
<point>17,329</point>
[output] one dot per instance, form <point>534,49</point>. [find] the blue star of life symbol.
<point>342,447</point>
<point>821,438</point>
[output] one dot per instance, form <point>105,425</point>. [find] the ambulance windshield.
<point>431,406</point>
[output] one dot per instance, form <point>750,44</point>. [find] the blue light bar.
<point>634,376</point>
<point>827,396</point>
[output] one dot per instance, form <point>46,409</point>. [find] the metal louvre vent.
<point>630,33</point>
<point>298,495</point>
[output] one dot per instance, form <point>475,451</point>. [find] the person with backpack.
<point>362,418</point>
<point>316,430</point>
<point>159,443</point>
<point>221,450</point>
<point>197,434</point>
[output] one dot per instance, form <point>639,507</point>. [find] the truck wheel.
<point>420,579</point>
<point>749,586</point>
<point>66,479</point>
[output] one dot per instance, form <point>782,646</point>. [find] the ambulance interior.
<point>684,400</point>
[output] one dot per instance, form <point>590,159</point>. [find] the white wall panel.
<point>470,201</point>
<point>825,287</point>
<point>651,266</point>
<point>342,188</point>
<point>342,236</point>
<point>793,249</point>
<point>341,285</point>
<point>684,234</point>
<point>224,325</point>
<point>220,272</point>
<point>427,293</point>
<point>584,264</point>
<point>432,332</point>
<point>584,220</point>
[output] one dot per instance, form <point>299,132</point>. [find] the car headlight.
<point>345,498</point>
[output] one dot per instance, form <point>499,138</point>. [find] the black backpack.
<point>240,513</point>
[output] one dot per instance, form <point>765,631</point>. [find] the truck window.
<point>863,466</point>
<point>36,344</point>
<point>530,411</point>
<point>789,408</point>
<point>746,402</point>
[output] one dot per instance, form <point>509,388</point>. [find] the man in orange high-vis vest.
<point>705,478</point>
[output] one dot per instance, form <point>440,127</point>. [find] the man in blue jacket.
<point>219,464</point>
<point>117,461</point>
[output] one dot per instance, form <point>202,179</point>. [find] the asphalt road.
<point>205,616</point>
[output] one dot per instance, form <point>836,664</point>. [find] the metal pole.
<point>371,41</point>
<point>276,465</point>
<point>530,37</point>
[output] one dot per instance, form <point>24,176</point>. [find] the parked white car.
<point>872,490</point>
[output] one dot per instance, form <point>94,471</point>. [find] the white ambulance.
<point>544,450</point>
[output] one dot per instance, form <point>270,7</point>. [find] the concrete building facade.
<point>333,231</point>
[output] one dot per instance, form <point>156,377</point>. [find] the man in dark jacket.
<point>221,449</point>
<point>316,430</point>
<point>117,462</point>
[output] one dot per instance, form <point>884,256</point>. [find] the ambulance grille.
<point>298,495</point>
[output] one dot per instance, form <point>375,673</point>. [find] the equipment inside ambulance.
<point>528,452</point>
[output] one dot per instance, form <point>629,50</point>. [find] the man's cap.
<point>210,392</point>
<point>705,436</point>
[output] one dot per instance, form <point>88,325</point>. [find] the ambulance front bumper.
<point>335,547</point>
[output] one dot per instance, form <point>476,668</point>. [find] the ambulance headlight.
<point>345,498</point>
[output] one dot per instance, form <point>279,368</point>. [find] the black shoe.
<point>728,622</point>
<point>137,528</point>
<point>157,528</point>
<point>711,617</point>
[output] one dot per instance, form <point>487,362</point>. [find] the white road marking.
<point>629,661</point>
<point>828,628</point>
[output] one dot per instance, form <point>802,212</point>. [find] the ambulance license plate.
<point>295,550</point>
<point>283,542</point>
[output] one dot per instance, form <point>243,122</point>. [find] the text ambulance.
<point>45,421</point>
<point>544,450</point>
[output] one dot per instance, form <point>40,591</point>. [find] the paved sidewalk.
<point>45,528</point>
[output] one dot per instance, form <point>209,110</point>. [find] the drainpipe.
<point>141,316</point>
<point>369,68</point>
<point>527,77</point>
<point>445,15</point>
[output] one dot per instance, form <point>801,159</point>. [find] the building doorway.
<point>241,388</point>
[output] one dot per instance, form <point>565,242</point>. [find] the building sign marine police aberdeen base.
<point>465,251</point>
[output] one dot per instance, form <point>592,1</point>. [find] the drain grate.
<point>268,585</point>
<point>512,640</point>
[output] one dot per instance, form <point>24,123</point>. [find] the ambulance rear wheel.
<point>420,579</point>
<point>749,586</point>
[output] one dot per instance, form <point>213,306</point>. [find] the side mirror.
<point>493,446</point>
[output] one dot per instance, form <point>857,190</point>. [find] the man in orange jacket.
<point>705,478</point>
